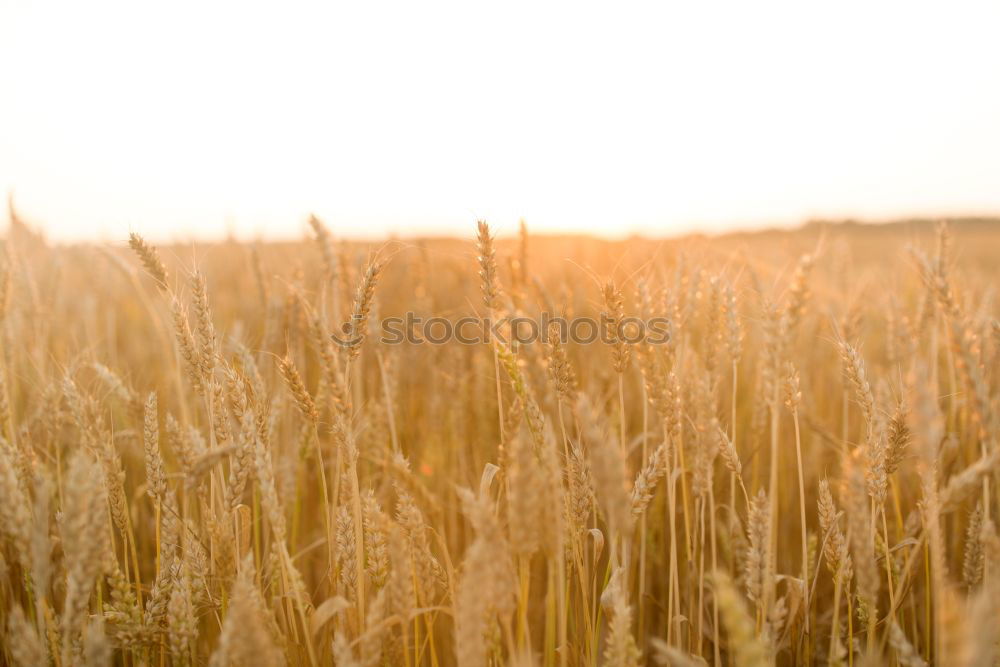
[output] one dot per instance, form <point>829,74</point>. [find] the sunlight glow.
<point>199,118</point>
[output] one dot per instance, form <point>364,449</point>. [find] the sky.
<point>200,119</point>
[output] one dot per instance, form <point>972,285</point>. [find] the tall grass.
<point>193,471</point>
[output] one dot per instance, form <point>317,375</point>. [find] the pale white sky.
<point>196,117</point>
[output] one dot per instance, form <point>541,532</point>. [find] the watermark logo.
<point>350,333</point>
<point>413,329</point>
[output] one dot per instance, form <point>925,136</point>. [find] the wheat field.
<point>194,471</point>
